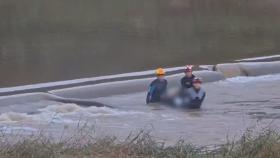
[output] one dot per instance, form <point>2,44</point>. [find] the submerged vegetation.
<point>262,145</point>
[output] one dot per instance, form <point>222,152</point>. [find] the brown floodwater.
<point>231,107</point>
<point>42,41</point>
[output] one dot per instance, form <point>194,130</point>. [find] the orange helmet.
<point>160,71</point>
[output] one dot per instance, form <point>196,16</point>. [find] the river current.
<point>231,106</point>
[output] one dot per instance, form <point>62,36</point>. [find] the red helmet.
<point>189,68</point>
<point>197,80</point>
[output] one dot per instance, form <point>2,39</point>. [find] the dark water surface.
<point>50,40</point>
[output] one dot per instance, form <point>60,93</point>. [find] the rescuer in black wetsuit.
<point>157,89</point>
<point>187,80</point>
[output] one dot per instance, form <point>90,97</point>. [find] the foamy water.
<point>11,117</point>
<point>231,106</point>
<point>62,113</point>
<point>17,130</point>
<point>249,79</point>
<point>62,108</point>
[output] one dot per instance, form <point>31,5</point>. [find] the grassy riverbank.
<point>262,145</point>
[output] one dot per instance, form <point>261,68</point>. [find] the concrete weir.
<point>126,87</point>
<point>23,99</point>
<point>84,94</point>
<point>248,68</point>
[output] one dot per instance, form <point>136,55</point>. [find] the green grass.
<point>263,145</point>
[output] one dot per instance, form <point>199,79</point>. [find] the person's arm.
<point>165,87</point>
<point>204,95</point>
<point>182,82</point>
<point>150,94</point>
<point>164,91</point>
<point>148,98</point>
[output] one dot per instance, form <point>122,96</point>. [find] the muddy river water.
<point>231,106</point>
<point>46,41</point>
<point>60,40</point>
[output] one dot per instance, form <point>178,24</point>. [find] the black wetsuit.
<point>187,82</point>
<point>156,90</point>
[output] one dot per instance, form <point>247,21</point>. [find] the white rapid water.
<point>252,79</point>
<point>231,106</point>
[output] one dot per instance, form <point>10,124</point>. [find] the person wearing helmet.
<point>196,94</point>
<point>187,80</point>
<point>157,89</point>
<point>191,98</point>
